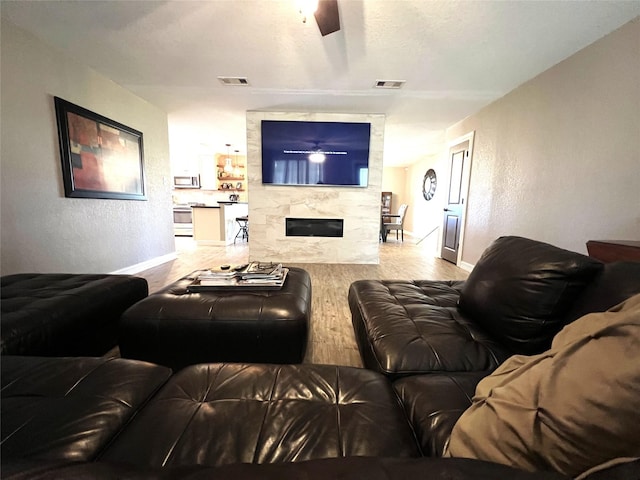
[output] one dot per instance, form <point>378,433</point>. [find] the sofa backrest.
<point>521,291</point>
<point>613,285</point>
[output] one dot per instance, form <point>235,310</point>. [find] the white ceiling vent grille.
<point>389,83</point>
<point>234,81</point>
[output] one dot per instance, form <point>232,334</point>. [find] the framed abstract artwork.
<point>101,158</point>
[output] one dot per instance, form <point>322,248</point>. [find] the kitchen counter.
<point>216,224</point>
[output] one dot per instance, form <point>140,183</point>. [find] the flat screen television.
<point>315,153</point>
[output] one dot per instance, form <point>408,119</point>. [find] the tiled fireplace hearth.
<point>314,227</point>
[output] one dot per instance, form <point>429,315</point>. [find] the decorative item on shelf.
<point>239,185</point>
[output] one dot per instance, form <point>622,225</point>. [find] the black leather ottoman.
<point>174,327</point>
<point>216,414</point>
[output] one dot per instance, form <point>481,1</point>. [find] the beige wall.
<point>42,231</point>
<point>426,218</point>
<point>269,205</point>
<point>558,159</point>
<point>406,185</point>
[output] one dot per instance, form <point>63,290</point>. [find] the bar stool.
<point>243,231</point>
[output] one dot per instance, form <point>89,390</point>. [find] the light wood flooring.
<point>331,339</point>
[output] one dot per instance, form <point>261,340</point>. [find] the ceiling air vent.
<point>389,83</point>
<point>234,81</point>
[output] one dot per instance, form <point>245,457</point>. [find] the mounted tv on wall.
<point>315,153</point>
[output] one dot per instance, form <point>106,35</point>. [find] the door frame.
<point>464,190</point>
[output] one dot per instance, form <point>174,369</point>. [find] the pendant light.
<point>228,168</point>
<point>236,168</point>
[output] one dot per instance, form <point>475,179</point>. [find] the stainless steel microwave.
<point>186,182</point>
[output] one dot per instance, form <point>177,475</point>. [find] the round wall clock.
<point>429,184</point>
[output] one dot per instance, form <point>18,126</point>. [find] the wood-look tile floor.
<point>331,339</point>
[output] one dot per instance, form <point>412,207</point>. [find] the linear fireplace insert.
<point>314,227</point>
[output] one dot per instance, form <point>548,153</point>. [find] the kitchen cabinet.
<point>208,172</point>
<point>216,224</point>
<point>186,167</point>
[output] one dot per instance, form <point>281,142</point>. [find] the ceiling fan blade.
<point>327,16</point>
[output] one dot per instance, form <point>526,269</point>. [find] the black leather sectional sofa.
<point>518,296</point>
<point>63,313</point>
<point>426,345</point>
<point>97,418</point>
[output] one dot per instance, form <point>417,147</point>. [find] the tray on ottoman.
<point>176,327</point>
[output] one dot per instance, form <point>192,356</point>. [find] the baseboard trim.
<point>466,266</point>
<point>139,267</point>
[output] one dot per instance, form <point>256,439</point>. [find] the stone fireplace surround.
<point>271,205</point>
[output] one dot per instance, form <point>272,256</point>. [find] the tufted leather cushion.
<point>433,403</point>
<point>404,327</point>
<point>521,291</point>
<point>64,314</point>
<point>568,409</point>
<point>70,408</point>
<point>176,328</point>
<point>215,414</point>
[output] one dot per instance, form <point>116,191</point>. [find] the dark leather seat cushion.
<point>176,328</point>
<point>65,314</point>
<point>70,408</point>
<point>433,403</point>
<point>521,291</point>
<point>215,414</point>
<point>405,327</point>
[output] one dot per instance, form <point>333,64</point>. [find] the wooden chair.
<point>398,223</point>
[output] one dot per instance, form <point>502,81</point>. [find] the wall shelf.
<point>236,176</point>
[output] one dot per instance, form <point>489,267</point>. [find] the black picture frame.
<point>101,158</point>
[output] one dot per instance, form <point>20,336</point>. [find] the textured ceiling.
<point>456,57</point>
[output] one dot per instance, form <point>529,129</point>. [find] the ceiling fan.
<point>327,16</point>
<point>325,12</point>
